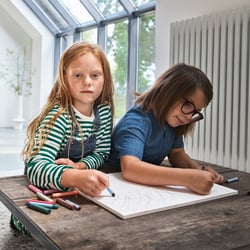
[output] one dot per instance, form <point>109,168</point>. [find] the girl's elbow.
<point>126,170</point>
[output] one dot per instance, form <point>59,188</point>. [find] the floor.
<point>11,144</point>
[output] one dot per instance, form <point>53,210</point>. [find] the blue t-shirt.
<point>140,134</point>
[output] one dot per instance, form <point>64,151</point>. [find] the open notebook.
<point>133,199</point>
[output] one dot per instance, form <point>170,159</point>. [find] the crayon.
<point>39,208</point>
<point>76,206</point>
<point>43,197</point>
<point>232,179</point>
<point>62,194</point>
<point>111,192</point>
<point>49,191</point>
<point>54,206</point>
<point>65,203</point>
<point>41,201</point>
<point>34,189</point>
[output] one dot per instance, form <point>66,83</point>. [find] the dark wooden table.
<point>219,224</point>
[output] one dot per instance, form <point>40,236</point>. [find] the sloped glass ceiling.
<point>108,8</point>
<point>77,10</point>
<point>66,15</point>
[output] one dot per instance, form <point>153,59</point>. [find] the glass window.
<point>113,25</point>
<point>51,13</point>
<point>108,7</point>
<point>77,10</point>
<point>90,35</point>
<point>146,52</point>
<point>117,53</point>
<point>142,2</point>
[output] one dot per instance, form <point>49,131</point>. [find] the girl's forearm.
<point>182,160</point>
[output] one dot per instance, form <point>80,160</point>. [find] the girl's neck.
<point>86,111</point>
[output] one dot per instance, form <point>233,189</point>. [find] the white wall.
<point>168,11</point>
<point>18,27</point>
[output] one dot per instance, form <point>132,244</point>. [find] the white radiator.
<point>219,44</point>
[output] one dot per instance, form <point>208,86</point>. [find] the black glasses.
<point>189,108</point>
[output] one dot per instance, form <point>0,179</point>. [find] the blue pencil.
<point>232,179</point>
<point>54,206</point>
<point>38,208</point>
<point>111,192</point>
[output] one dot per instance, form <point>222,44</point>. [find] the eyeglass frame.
<point>196,115</point>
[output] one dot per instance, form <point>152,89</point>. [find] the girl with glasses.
<point>154,127</point>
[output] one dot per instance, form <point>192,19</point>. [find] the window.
<point>125,29</point>
<point>146,52</point>
<point>89,35</point>
<point>117,53</point>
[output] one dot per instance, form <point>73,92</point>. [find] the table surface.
<point>218,224</point>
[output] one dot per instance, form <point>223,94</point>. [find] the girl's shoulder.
<point>103,107</point>
<point>136,115</point>
<point>104,110</point>
<point>138,112</point>
<point>59,113</point>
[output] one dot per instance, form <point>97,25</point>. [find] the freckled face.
<point>86,79</point>
<point>176,117</point>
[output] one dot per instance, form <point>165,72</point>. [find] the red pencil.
<point>41,201</point>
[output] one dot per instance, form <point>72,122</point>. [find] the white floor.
<point>11,145</point>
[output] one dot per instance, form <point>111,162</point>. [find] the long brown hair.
<point>178,81</point>
<point>60,94</point>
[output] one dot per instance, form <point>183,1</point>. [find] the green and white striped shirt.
<point>41,168</point>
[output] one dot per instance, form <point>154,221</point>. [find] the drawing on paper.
<point>133,199</point>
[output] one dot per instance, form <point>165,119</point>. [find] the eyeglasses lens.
<point>188,108</point>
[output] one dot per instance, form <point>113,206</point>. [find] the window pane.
<point>90,36</point>
<point>48,10</point>
<point>117,52</point>
<point>142,2</point>
<point>77,10</point>
<point>108,7</point>
<point>146,52</point>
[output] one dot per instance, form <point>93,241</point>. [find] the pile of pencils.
<point>44,203</point>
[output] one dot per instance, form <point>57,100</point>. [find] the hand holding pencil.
<point>92,182</point>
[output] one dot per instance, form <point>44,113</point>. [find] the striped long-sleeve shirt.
<point>41,168</point>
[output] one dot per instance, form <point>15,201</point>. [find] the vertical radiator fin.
<point>219,44</point>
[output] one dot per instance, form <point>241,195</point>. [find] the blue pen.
<point>111,192</point>
<point>232,179</point>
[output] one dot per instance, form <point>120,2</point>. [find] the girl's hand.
<point>91,182</point>
<point>68,162</point>
<point>200,182</point>
<point>217,178</point>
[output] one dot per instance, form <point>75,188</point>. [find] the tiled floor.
<point>11,144</point>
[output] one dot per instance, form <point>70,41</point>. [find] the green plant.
<point>17,71</point>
